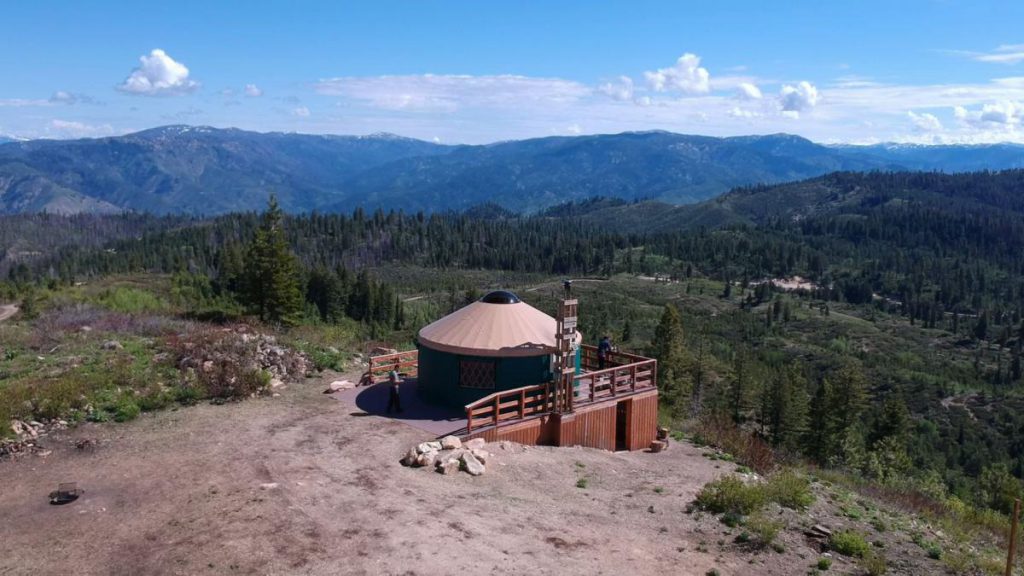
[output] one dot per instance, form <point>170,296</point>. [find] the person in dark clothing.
<point>394,402</point>
<point>603,349</point>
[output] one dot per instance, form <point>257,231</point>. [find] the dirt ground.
<point>304,484</point>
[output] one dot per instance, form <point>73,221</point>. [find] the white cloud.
<point>253,91</point>
<point>748,91</point>
<point>992,115</point>
<point>23,102</point>
<point>924,122</point>
<point>452,92</point>
<point>1005,54</point>
<point>158,75</point>
<point>574,129</point>
<point>737,112</point>
<point>685,76</point>
<point>796,99</point>
<point>621,90</point>
<point>75,129</point>
<point>301,111</point>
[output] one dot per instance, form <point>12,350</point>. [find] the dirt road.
<point>304,484</point>
<point>7,310</point>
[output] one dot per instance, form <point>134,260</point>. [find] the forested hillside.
<point>896,355</point>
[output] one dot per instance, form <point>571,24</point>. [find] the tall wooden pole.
<point>1013,537</point>
<point>565,339</point>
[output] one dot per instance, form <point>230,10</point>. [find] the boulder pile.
<point>449,455</point>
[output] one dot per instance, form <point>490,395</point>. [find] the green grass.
<point>582,483</point>
<point>824,564</point>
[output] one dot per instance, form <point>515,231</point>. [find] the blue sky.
<point>915,71</point>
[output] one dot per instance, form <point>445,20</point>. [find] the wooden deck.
<point>614,408</point>
<point>624,375</point>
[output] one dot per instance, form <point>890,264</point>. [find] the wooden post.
<point>522,403</point>
<point>497,409</point>
<point>1013,537</point>
<point>469,420</point>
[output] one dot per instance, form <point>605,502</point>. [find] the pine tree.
<point>668,349</point>
<point>272,271</point>
<point>787,405</point>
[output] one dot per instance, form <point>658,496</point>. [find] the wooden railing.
<point>405,363</point>
<point>615,381</point>
<point>588,387</point>
<point>514,404</point>
<point>588,358</point>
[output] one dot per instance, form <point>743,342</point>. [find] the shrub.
<point>874,564</point>
<point>732,519</point>
<point>790,490</point>
<point>849,543</point>
<point>824,563</point>
<point>581,483</point>
<point>763,530</point>
<point>730,494</point>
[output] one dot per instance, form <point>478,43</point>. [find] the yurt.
<point>496,343</point>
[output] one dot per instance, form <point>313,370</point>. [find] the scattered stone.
<point>505,445</point>
<point>819,531</point>
<point>410,457</point>
<point>339,385</point>
<point>447,466</point>
<point>86,328</point>
<point>426,459</point>
<point>450,443</point>
<point>276,383</point>
<point>471,465</point>
<point>268,486</point>
<point>481,455</point>
<point>429,447</point>
<point>474,444</point>
<point>112,345</point>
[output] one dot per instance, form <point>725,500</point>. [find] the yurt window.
<point>476,374</point>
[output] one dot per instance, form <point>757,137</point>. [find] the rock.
<point>505,445</point>
<point>474,444</point>
<point>819,531</point>
<point>339,385</point>
<point>426,459</point>
<point>268,486</point>
<point>112,345</point>
<point>381,351</point>
<point>276,383</point>
<point>450,443</point>
<point>447,466</point>
<point>428,447</point>
<point>410,457</point>
<point>657,446</point>
<point>17,427</point>
<point>481,455</point>
<point>471,465</point>
<point>86,328</point>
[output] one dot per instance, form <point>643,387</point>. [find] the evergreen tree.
<point>668,349</point>
<point>272,271</point>
<point>787,423</point>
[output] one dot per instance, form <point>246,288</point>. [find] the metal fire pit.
<point>65,493</point>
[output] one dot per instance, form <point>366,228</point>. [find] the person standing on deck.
<point>603,349</point>
<point>394,402</point>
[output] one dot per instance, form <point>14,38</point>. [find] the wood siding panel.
<point>642,421</point>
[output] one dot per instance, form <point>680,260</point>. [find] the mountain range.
<point>203,170</point>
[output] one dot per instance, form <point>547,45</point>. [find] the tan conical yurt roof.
<point>499,324</point>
